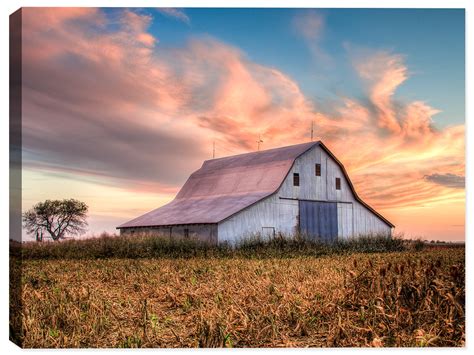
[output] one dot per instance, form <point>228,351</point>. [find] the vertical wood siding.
<point>270,212</point>
<point>202,232</point>
<point>318,220</point>
<point>345,221</point>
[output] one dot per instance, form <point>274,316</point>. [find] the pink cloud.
<point>175,13</point>
<point>311,25</point>
<point>135,26</point>
<point>45,18</point>
<point>383,73</point>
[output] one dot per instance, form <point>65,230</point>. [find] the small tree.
<point>57,218</point>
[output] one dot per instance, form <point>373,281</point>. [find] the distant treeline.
<point>149,246</point>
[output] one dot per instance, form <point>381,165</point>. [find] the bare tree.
<point>57,218</point>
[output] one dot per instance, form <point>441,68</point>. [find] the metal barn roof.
<point>225,186</point>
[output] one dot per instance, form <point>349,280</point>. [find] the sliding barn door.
<point>318,220</point>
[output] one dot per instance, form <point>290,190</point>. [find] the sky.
<point>120,106</point>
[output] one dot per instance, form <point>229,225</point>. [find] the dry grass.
<point>390,299</point>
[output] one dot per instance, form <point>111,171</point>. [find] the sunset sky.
<point>120,106</point>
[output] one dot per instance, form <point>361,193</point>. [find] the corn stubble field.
<point>275,297</point>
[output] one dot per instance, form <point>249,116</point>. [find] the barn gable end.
<point>281,211</point>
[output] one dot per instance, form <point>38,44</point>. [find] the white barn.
<point>301,188</point>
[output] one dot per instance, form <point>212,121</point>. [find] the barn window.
<point>338,183</point>
<point>296,179</point>
<point>186,232</point>
<point>317,169</point>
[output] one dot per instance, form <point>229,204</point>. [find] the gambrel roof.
<point>225,186</point>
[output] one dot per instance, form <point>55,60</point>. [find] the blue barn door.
<point>318,220</point>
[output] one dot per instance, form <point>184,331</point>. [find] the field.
<point>341,299</point>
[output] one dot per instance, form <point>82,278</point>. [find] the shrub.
<point>371,244</point>
<point>418,245</point>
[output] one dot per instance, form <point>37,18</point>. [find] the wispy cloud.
<point>178,14</point>
<point>310,25</point>
<point>448,180</point>
<point>383,72</point>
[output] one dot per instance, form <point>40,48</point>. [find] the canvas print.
<point>237,177</point>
